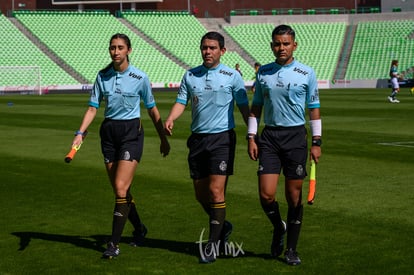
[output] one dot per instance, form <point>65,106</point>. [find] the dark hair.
<point>283,29</point>
<point>214,36</point>
<point>257,64</point>
<point>123,37</point>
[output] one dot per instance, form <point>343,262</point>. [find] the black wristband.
<point>316,142</point>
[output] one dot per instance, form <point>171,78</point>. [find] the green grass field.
<point>56,216</point>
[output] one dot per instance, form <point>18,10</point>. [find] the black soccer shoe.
<point>138,238</point>
<point>208,254</point>
<point>291,257</point>
<point>111,251</point>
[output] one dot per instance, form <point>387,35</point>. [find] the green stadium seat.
<point>178,33</point>
<point>89,55</point>
<point>374,10</point>
<point>309,50</point>
<point>370,59</point>
<point>29,55</point>
<point>163,30</point>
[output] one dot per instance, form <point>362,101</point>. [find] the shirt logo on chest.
<point>135,76</point>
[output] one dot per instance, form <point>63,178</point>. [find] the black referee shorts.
<point>122,140</point>
<point>283,148</point>
<point>211,154</point>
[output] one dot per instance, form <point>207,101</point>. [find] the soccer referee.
<point>284,88</point>
<point>212,88</point>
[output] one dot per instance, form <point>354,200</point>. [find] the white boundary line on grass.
<point>399,144</point>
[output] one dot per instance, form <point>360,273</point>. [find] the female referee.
<point>122,86</point>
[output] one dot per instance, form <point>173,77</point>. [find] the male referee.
<point>284,88</point>
<point>212,88</point>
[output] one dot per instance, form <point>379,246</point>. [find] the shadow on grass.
<point>93,242</point>
<point>98,243</point>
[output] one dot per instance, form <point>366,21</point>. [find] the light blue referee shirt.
<point>212,93</point>
<point>284,91</point>
<point>122,92</point>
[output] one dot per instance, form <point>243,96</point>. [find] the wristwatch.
<point>250,136</point>
<point>316,142</point>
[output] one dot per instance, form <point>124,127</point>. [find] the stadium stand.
<point>165,44</point>
<point>81,39</point>
<point>180,33</point>
<point>319,44</point>
<point>376,43</point>
<point>22,52</point>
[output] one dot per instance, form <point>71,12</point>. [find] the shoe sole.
<point>201,261</point>
<point>108,257</point>
<point>293,264</point>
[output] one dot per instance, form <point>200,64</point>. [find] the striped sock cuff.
<point>121,200</point>
<point>130,198</point>
<point>218,205</point>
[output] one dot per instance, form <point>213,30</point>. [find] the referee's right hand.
<point>77,140</point>
<point>168,126</point>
